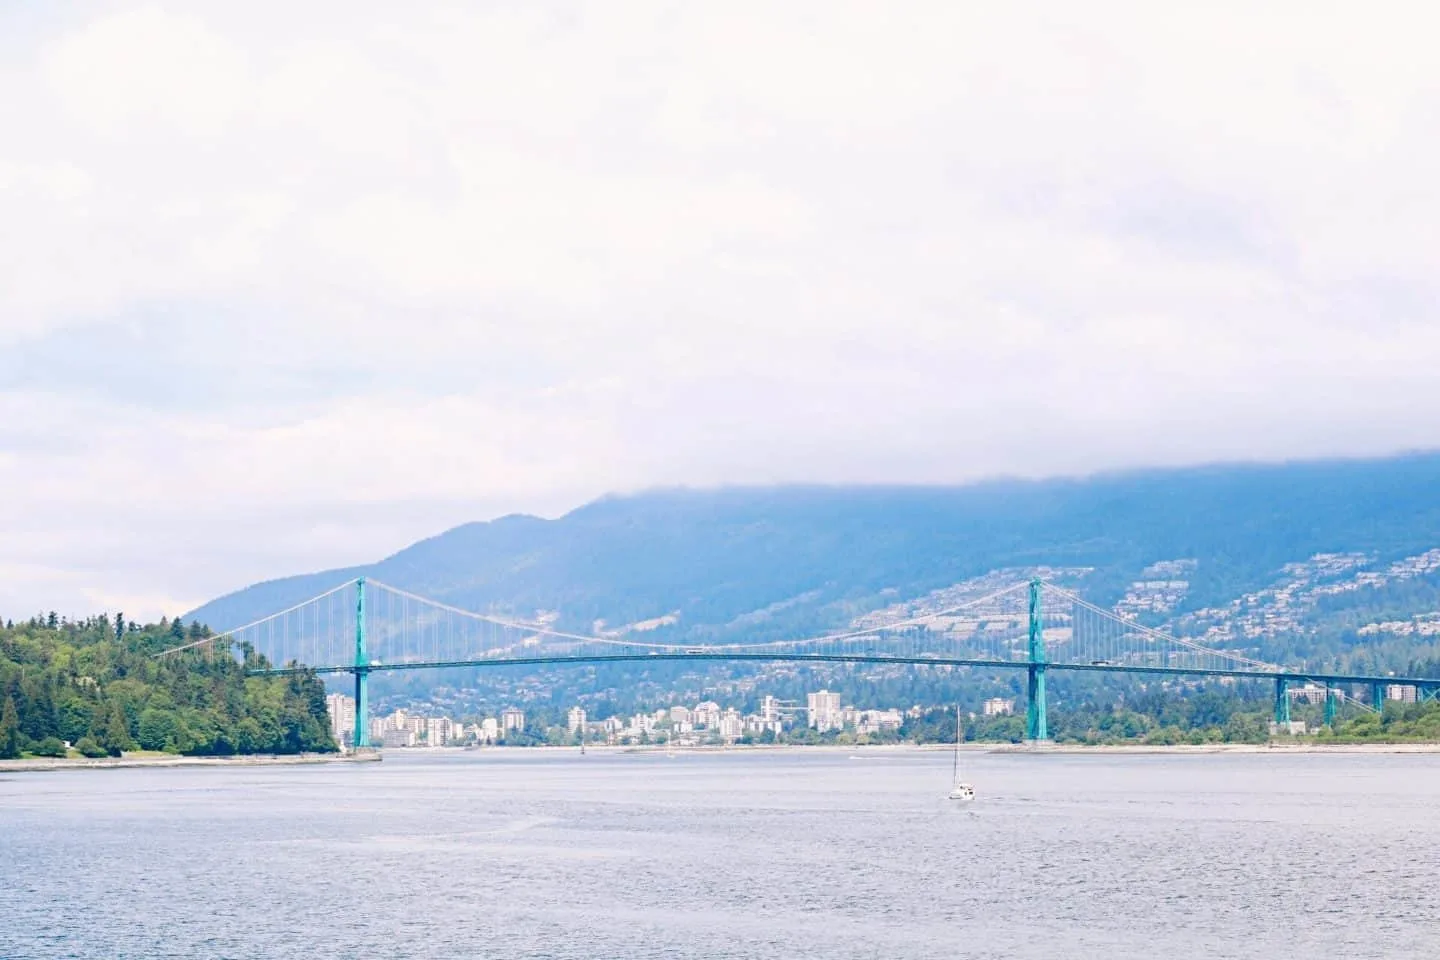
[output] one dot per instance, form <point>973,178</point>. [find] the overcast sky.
<point>285,286</point>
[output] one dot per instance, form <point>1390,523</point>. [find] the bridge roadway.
<point>1426,683</point>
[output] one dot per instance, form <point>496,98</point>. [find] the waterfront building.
<point>823,711</point>
<point>731,726</point>
<point>489,730</point>
<point>756,723</point>
<point>769,709</point>
<point>613,728</point>
<point>342,717</point>
<point>576,719</point>
<point>512,719</point>
<point>877,721</point>
<point>392,737</point>
<point>1401,692</point>
<point>680,718</point>
<point>997,707</point>
<point>438,731</point>
<point>707,715</point>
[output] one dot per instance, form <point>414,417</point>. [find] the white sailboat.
<point>962,790</point>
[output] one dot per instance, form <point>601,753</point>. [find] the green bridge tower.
<point>1037,727</point>
<point>361,739</point>
<point>1282,703</point>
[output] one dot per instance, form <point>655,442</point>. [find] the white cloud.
<point>284,287</point>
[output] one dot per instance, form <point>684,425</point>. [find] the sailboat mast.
<point>955,765</point>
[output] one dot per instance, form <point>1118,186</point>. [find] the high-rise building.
<point>576,718</point>
<point>707,714</point>
<point>438,731</point>
<point>512,719</point>
<point>823,710</point>
<point>731,726</point>
<point>342,717</point>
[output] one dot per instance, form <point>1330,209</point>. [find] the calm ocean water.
<point>531,854</point>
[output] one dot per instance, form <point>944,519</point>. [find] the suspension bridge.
<point>364,626</point>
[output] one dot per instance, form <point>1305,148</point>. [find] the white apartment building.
<point>1402,692</point>
<point>769,709</point>
<point>997,707</point>
<point>342,717</point>
<point>823,710</point>
<point>512,719</point>
<point>756,723</point>
<point>613,727</point>
<point>575,719</point>
<point>731,726</point>
<point>707,715</point>
<point>489,730</point>
<point>439,731</point>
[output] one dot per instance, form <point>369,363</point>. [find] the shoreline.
<point>38,764</point>
<point>1136,749</point>
<point>1210,748</point>
<point>43,764</point>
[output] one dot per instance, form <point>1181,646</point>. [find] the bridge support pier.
<point>1331,699</point>
<point>1282,702</point>
<point>361,739</point>
<point>1037,722</point>
<point>1377,696</point>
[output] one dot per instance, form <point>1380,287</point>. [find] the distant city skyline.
<point>703,722</point>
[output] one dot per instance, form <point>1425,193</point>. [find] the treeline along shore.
<point>99,686</point>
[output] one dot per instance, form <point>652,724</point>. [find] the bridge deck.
<point>1320,676</point>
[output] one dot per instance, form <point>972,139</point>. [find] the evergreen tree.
<point>9,730</point>
<point>117,732</point>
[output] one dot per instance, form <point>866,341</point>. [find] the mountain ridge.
<point>720,555</point>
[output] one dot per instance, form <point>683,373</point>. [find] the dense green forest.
<point>98,685</point>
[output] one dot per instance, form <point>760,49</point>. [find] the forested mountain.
<point>764,562</point>
<point>98,685</point>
